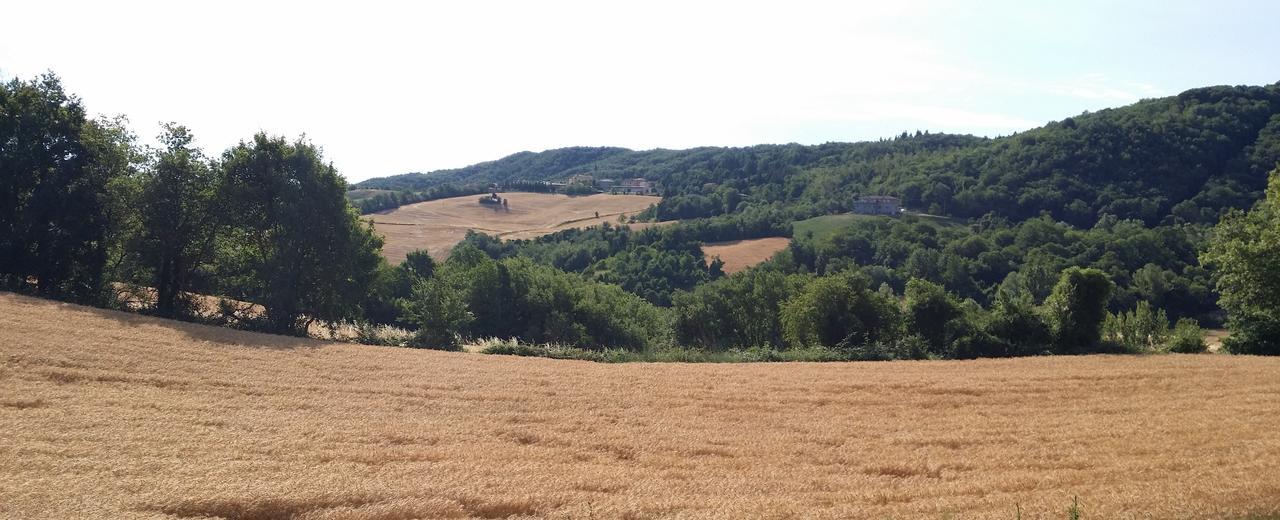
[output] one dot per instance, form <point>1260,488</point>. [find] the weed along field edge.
<point>113,415</point>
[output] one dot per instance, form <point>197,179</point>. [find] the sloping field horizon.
<point>105,414</point>
<point>438,225</point>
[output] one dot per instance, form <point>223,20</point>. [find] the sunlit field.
<point>738,255</point>
<point>112,415</point>
<point>438,225</point>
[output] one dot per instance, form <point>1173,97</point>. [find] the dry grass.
<point>1214,337</point>
<point>738,255</point>
<point>438,225</point>
<point>112,415</point>
<point>210,310</point>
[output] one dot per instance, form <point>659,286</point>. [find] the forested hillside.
<point>1175,159</point>
<point>1131,191</point>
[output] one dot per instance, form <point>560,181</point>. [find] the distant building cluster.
<point>878,205</point>
<point>635,186</point>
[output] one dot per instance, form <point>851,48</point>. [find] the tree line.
<point>374,200</point>
<point>85,211</point>
<point>1183,158</point>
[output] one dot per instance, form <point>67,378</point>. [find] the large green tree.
<point>440,312</point>
<point>293,243</point>
<point>55,170</point>
<point>739,311</point>
<point>839,311</point>
<point>930,311</point>
<point>1244,255</point>
<point>1076,309</point>
<point>176,217</point>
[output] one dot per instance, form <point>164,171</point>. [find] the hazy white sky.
<point>389,87</point>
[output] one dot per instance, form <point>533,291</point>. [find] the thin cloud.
<point>1097,86</point>
<point>394,87</point>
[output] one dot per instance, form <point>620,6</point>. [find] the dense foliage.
<point>976,259</point>
<point>652,263</point>
<point>171,239</point>
<point>523,166</point>
<point>1177,159</point>
<point>1132,192</point>
<point>293,245</point>
<point>843,313</point>
<point>373,201</point>
<point>1245,256</point>
<point>57,169</point>
<point>474,296</point>
<point>84,209</point>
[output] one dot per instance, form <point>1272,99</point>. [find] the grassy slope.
<point>828,224</point>
<point>112,415</point>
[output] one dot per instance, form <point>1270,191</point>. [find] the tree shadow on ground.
<point>192,330</point>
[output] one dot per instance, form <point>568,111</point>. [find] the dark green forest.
<point>1085,235</point>
<point>1161,161</point>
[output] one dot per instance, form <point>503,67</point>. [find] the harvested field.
<point>741,254</point>
<point>438,225</point>
<point>112,415</point>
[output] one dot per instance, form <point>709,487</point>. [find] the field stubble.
<point>112,415</point>
<point>738,255</point>
<point>439,225</point>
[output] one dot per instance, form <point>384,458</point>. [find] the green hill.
<point>1184,157</point>
<point>1131,191</point>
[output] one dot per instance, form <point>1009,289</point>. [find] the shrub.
<point>929,313</point>
<point>761,354</point>
<point>440,312</point>
<point>839,311</point>
<point>1018,328</point>
<point>1142,329</point>
<point>1187,338</point>
<point>386,335</point>
<point>513,347</point>
<point>813,354</point>
<point>579,189</point>
<point>1076,309</point>
<point>1244,255</point>
<point>540,304</point>
<point>976,344</point>
<point>908,347</point>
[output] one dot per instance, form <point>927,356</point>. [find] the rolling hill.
<point>1185,156</point>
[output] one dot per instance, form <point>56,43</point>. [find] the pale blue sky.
<point>388,88</point>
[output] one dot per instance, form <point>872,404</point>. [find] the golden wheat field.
<point>738,255</point>
<point>112,415</point>
<point>438,225</point>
